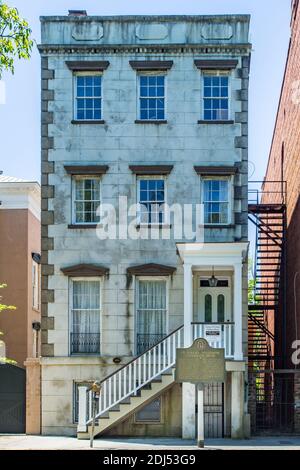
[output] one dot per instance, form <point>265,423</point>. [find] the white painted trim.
<point>21,195</point>
<point>75,178</point>
<point>223,73</point>
<point>230,196</point>
<point>85,74</point>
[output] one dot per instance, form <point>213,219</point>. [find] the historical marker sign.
<point>200,364</point>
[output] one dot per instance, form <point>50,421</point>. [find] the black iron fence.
<point>85,343</point>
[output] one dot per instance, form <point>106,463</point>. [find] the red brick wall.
<point>285,160</point>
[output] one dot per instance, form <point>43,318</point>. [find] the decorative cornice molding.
<point>85,270</point>
<point>151,269</point>
<point>151,169</point>
<point>205,49</point>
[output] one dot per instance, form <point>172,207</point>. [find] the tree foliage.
<point>3,308</point>
<point>15,38</point>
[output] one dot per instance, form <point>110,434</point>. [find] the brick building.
<point>284,165</point>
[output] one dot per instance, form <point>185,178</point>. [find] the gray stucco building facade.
<point>154,109</point>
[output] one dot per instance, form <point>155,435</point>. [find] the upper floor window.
<point>35,286</point>
<point>152,97</point>
<point>88,96</point>
<point>215,96</point>
<point>86,199</point>
<point>216,200</point>
<point>151,197</point>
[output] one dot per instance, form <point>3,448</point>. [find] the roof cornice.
<point>204,49</point>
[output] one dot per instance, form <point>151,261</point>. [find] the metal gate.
<point>271,402</point>
<point>12,399</point>
<point>214,410</point>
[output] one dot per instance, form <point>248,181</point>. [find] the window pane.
<point>221,308</point>
<point>90,88</point>
<point>152,97</point>
<point>208,308</point>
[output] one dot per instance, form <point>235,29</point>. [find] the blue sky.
<point>20,116</point>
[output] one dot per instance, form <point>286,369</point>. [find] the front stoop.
<point>131,404</point>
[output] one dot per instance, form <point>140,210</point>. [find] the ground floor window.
<point>85,317</point>
<point>151,313</point>
<point>151,413</point>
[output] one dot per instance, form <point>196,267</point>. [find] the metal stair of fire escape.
<point>269,220</point>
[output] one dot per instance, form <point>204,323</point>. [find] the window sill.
<point>82,226</point>
<point>150,121</point>
<point>92,121</point>
<point>203,121</point>
<point>219,226</point>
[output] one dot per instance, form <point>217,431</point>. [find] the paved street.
<point>22,442</point>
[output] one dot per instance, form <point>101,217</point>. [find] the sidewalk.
<point>22,442</point>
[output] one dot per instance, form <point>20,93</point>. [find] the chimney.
<point>77,13</point>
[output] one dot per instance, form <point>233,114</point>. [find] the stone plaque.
<point>200,363</point>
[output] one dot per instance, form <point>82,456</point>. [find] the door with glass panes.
<point>214,304</point>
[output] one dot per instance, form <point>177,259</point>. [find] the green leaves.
<point>2,308</point>
<point>15,38</point>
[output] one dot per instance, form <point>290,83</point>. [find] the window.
<point>152,97</point>
<point>150,413</point>
<point>88,97</point>
<point>85,317</point>
<point>151,313</point>
<point>86,200</point>
<point>216,200</point>
<point>151,197</point>
<point>35,286</point>
<point>215,96</point>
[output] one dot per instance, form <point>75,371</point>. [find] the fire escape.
<point>266,312</point>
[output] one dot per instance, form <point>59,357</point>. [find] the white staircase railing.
<point>136,374</point>
<point>226,338</point>
<point>142,370</point>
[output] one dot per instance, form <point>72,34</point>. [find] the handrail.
<point>126,381</point>
<point>140,355</point>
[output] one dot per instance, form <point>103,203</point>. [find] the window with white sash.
<point>152,198</point>
<point>152,96</point>
<point>88,96</point>
<point>151,313</point>
<point>86,199</point>
<point>216,198</point>
<point>85,316</point>
<point>216,95</point>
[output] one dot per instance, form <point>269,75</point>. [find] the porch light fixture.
<point>213,281</point>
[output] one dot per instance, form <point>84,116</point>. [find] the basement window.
<point>151,413</point>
